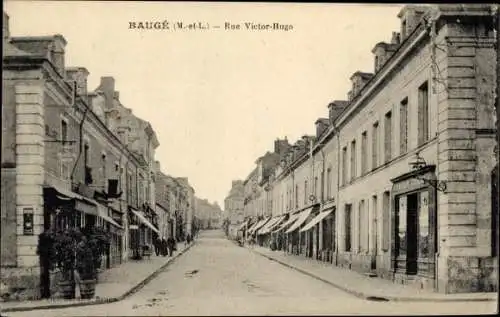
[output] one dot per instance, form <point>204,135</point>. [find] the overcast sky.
<point>217,99</point>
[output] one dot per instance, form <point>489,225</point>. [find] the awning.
<point>266,229</point>
<point>290,220</point>
<point>145,221</point>
<point>242,226</point>
<point>253,225</point>
<point>301,219</point>
<point>322,215</point>
<point>259,225</point>
<point>103,213</point>
<point>271,228</point>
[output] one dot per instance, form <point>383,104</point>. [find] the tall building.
<point>233,206</point>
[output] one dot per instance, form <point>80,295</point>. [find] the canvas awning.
<point>84,204</point>
<point>102,212</point>
<point>243,225</point>
<point>276,224</point>
<point>145,221</point>
<point>300,220</point>
<point>290,220</point>
<point>264,229</point>
<point>322,215</point>
<point>259,225</point>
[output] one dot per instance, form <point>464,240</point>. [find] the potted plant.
<point>63,251</point>
<point>85,266</point>
<point>98,241</point>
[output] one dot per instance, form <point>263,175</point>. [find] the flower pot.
<point>67,289</point>
<point>87,289</point>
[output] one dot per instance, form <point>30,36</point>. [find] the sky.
<point>216,98</point>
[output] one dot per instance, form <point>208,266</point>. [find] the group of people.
<point>165,246</point>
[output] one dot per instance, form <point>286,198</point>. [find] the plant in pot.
<point>98,241</point>
<point>63,251</point>
<point>85,266</point>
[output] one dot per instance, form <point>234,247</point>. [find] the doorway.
<point>412,234</point>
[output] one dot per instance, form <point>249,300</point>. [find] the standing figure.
<point>164,247</point>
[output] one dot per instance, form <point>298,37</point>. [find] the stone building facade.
<point>405,166</point>
<point>233,207</point>
<point>62,162</point>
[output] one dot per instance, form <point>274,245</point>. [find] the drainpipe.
<point>336,237</point>
<point>72,177</point>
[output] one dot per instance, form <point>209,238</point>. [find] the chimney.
<point>281,146</point>
<point>79,75</point>
<point>5,28</point>
<point>107,86</point>
<point>410,16</point>
<point>359,80</point>
<point>56,53</point>
<point>321,126</point>
<point>116,95</point>
<point>335,108</point>
<point>396,38</point>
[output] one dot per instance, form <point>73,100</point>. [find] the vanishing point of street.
<point>216,277</point>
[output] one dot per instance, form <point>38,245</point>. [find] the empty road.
<point>216,277</point>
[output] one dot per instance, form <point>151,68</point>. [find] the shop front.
<point>305,239</point>
<point>414,230</point>
<point>323,224</point>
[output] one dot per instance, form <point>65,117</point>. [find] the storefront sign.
<point>28,221</point>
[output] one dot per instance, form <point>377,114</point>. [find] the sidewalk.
<point>362,286</point>
<point>114,284</point>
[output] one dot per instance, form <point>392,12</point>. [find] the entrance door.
<point>412,234</point>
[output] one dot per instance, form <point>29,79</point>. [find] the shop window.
<point>386,221</point>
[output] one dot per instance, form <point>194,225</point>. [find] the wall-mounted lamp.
<point>420,163</point>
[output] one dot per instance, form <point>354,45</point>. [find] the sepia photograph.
<point>199,158</point>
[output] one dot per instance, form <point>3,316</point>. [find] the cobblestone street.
<point>216,277</point>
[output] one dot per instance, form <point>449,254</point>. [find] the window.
<point>388,137</point>
<point>353,159</point>
<point>64,131</point>
<point>423,114</point>
<point>305,192</point>
<point>103,166</point>
<point>375,216</point>
<point>403,126</point>
<point>344,165</point>
<point>316,188</point>
<point>375,146</point>
<point>86,154</point>
<point>329,183</point>
<point>347,224</point>
<point>364,153</point>
<point>376,63</point>
<point>296,196</point>
<point>386,220</point>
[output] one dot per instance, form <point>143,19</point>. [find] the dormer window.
<point>376,63</point>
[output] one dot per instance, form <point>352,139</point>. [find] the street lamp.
<point>417,165</point>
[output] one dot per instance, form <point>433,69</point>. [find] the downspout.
<point>81,146</point>
<point>338,197</point>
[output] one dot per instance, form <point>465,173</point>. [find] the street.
<point>216,277</point>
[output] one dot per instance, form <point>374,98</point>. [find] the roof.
<point>362,75</point>
<point>11,50</point>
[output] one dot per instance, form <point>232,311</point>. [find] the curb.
<point>108,300</point>
<point>371,297</point>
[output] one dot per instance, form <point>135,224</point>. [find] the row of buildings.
<point>73,157</point>
<point>401,179</point>
<point>208,215</point>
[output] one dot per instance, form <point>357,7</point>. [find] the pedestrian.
<point>164,247</point>
<point>157,244</point>
<point>171,246</point>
